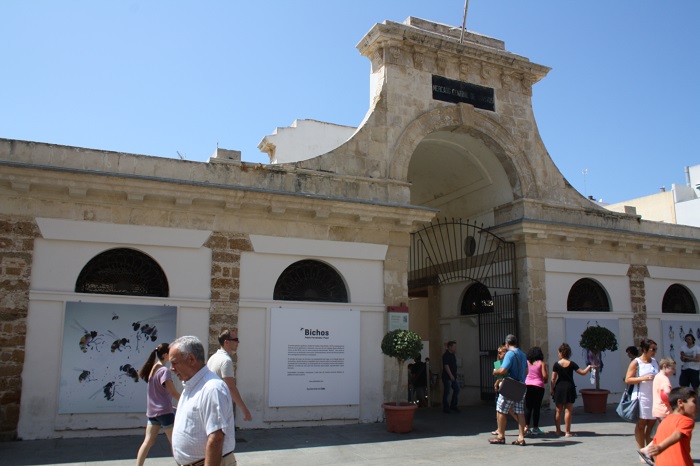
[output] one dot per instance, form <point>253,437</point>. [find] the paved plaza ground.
<point>437,438</point>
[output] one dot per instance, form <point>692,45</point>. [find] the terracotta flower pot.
<point>595,400</point>
<point>399,419</point>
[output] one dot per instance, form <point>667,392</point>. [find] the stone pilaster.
<point>637,274</point>
<point>16,250</point>
<point>226,251</point>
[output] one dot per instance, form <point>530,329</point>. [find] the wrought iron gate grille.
<point>452,250</point>
<point>448,251</point>
<point>493,329</point>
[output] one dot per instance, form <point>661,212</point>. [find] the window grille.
<point>587,295</point>
<point>678,299</point>
<point>123,271</point>
<point>310,280</point>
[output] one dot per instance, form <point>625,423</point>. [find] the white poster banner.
<point>104,346</point>
<point>314,357</point>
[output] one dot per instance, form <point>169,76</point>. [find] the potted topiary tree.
<point>596,340</point>
<point>400,345</point>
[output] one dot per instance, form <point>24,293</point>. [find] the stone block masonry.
<point>16,250</point>
<point>226,251</point>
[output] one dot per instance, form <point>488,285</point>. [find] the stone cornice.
<point>532,231</point>
<point>200,196</point>
<point>413,40</point>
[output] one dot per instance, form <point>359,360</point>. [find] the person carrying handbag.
<point>641,371</point>
<point>515,366</point>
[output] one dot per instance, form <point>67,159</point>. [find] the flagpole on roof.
<point>464,21</point>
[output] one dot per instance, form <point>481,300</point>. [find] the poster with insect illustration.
<point>104,346</point>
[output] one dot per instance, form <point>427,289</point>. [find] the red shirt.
<point>679,453</point>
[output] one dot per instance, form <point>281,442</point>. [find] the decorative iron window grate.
<point>678,299</point>
<point>123,271</point>
<point>477,300</point>
<point>310,280</point>
<point>587,295</point>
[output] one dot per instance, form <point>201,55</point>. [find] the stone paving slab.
<point>458,438</point>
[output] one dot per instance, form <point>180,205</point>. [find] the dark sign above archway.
<point>450,90</point>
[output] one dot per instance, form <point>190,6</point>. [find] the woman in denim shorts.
<point>161,392</point>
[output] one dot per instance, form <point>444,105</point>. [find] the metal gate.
<point>448,251</point>
<point>493,328</point>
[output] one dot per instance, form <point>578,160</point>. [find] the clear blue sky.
<point>159,77</point>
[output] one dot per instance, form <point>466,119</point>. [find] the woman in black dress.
<point>563,387</point>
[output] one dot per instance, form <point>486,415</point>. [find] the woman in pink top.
<point>159,399</point>
<point>536,377</point>
<point>662,387</point>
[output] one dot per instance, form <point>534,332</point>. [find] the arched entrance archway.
<point>465,165</point>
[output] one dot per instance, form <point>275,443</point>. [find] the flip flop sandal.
<point>519,442</point>
<point>497,441</point>
<point>648,460</point>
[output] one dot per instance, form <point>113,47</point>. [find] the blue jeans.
<point>448,385</point>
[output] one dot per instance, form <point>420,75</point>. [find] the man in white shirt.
<point>221,364</point>
<point>204,430</point>
<point>690,367</point>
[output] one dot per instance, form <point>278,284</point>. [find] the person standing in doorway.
<point>204,432</point>
<point>690,367</point>
<point>449,378</point>
<point>221,364</point>
<point>419,376</point>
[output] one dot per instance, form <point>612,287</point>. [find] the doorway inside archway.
<point>461,275</point>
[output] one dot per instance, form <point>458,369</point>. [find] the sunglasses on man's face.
<point>232,339</point>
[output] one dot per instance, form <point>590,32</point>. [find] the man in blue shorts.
<point>514,365</point>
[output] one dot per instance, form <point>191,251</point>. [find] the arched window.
<point>587,295</point>
<point>123,271</point>
<point>678,299</point>
<point>477,300</point>
<point>310,280</point>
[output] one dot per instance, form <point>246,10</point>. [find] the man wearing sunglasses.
<point>221,364</point>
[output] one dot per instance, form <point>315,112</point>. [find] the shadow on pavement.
<point>428,423</point>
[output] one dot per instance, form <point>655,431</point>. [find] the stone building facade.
<point>450,134</point>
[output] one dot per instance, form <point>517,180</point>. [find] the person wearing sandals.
<point>515,366</point>
<point>564,389</point>
<point>502,350</point>
<point>671,445</point>
<point>641,371</point>
<point>536,378</point>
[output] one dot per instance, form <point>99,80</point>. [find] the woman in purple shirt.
<point>161,392</point>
